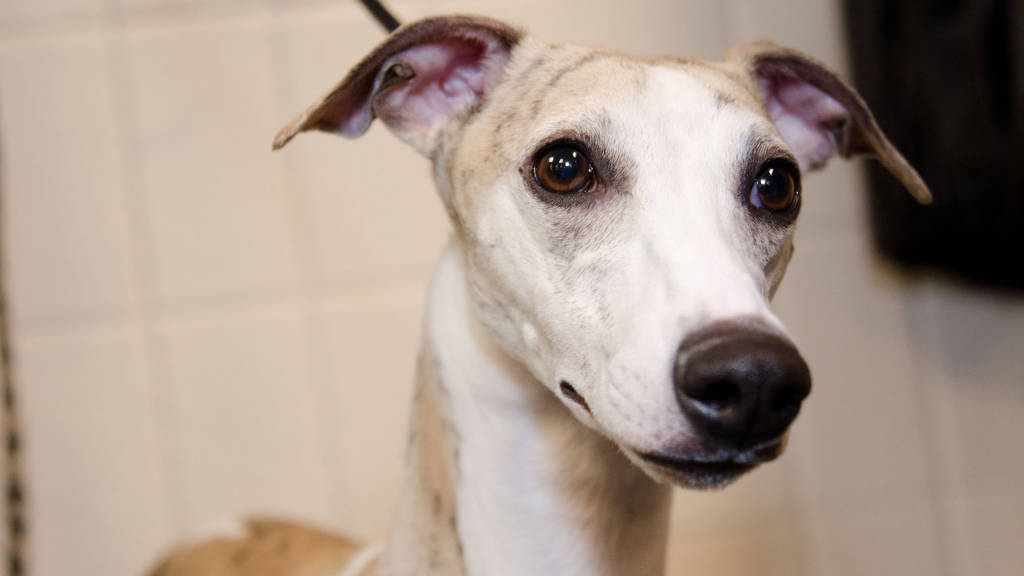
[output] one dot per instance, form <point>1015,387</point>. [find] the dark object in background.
<point>382,15</point>
<point>945,79</point>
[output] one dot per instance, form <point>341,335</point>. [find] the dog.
<point>598,329</point>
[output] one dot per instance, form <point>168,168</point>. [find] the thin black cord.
<point>17,539</point>
<point>382,14</point>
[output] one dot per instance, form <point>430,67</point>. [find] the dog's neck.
<point>501,478</point>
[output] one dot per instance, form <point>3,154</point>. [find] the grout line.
<point>356,293</point>
<point>165,425</point>
<point>304,252</point>
<point>44,326</point>
<point>318,296</point>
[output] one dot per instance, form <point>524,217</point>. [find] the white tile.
<point>996,522</point>
<point>691,27</point>
<point>968,347</point>
<point>977,369</point>
<point>813,27</point>
<point>762,496</point>
<point>220,216</point>
<point>239,396</point>
<point>127,5</point>
<point>860,429</point>
<point>769,551</point>
<point>371,345</point>
<point>966,343</point>
<point>67,225</point>
<point>157,9</point>
<point>21,10</point>
<point>373,210</point>
<point>751,526</point>
<point>892,533</point>
<point>96,492</point>
<point>371,207</point>
<point>834,203</point>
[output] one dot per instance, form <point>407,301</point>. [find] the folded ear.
<point>420,77</point>
<point>818,114</point>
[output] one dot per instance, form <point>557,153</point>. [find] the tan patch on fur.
<point>269,548</point>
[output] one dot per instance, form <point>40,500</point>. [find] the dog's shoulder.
<point>265,547</point>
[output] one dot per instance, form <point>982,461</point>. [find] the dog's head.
<point>624,220</point>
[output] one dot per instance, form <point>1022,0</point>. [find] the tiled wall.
<point>203,328</point>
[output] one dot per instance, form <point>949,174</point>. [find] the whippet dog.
<point>598,327</point>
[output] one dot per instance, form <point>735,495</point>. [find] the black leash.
<point>382,14</point>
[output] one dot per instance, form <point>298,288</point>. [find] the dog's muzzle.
<point>740,387</point>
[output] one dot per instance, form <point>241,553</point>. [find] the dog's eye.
<point>563,169</point>
<point>775,188</point>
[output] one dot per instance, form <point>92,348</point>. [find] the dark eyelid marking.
<point>613,170</point>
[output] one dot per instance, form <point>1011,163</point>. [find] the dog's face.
<point>609,210</point>
<point>624,221</point>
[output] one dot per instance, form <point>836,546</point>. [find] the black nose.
<point>740,387</point>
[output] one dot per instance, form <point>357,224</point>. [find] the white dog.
<point>598,328</point>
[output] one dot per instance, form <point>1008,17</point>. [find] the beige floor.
<point>203,328</point>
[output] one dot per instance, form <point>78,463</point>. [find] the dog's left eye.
<point>563,169</point>
<point>775,188</point>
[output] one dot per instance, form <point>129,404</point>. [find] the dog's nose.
<point>740,387</point>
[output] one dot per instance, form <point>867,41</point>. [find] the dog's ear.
<point>421,76</point>
<point>818,114</point>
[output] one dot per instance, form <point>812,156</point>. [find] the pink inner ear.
<point>808,118</point>
<point>447,74</point>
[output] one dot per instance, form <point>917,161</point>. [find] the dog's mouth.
<point>569,392</point>
<point>710,471</point>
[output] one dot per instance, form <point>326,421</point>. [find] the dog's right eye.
<point>563,169</point>
<point>776,188</point>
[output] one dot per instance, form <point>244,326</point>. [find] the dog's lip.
<point>570,392</point>
<point>693,467</point>
<point>734,462</point>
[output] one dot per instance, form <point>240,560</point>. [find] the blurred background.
<point>202,329</point>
